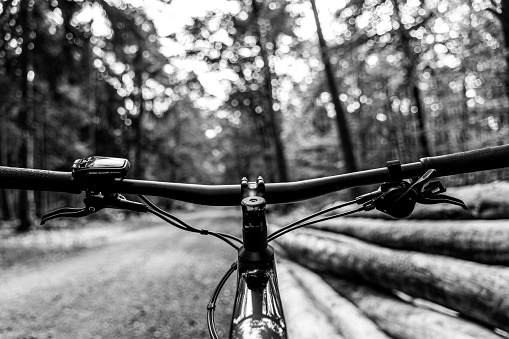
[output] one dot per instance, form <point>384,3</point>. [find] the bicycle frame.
<point>258,311</point>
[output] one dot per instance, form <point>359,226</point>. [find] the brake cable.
<point>396,198</point>
<point>298,224</point>
<point>174,221</point>
<point>211,306</point>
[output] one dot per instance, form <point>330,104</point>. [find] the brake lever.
<point>68,212</point>
<point>94,203</point>
<point>442,198</point>
<point>398,198</point>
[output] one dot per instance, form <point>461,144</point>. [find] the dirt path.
<point>147,283</point>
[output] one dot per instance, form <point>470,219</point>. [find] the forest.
<point>286,89</point>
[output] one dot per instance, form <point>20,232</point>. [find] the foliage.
<point>214,100</point>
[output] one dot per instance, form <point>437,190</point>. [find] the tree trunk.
<point>478,291</point>
<point>138,172</point>
<point>262,130</point>
<point>394,136</point>
<point>344,315</point>
<point>137,124</point>
<point>25,120</point>
<point>412,81</point>
<point>92,93</point>
<point>403,320</point>
<point>503,16</point>
<point>465,116</point>
<point>304,320</point>
<point>421,123</point>
<point>468,240</point>
<point>275,128</point>
<point>505,25</point>
<point>341,122</point>
<point>5,196</point>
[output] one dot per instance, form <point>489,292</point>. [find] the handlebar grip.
<point>38,180</point>
<point>469,161</point>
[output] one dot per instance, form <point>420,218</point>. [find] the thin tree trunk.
<point>137,122</point>
<point>503,16</point>
<point>394,131</point>
<point>478,291</point>
<point>26,119</point>
<point>267,152</point>
<point>421,123</point>
<point>5,195</point>
<point>345,139</point>
<point>137,125</point>
<point>505,25</point>
<point>92,98</point>
<point>275,128</point>
<point>412,83</point>
<point>463,139</point>
<point>138,143</point>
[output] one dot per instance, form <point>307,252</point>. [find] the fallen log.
<point>475,290</point>
<point>350,321</point>
<point>303,319</point>
<point>481,241</point>
<point>402,320</point>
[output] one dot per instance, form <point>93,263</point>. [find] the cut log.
<point>303,319</point>
<point>481,241</point>
<point>402,320</point>
<point>478,291</point>
<point>350,321</point>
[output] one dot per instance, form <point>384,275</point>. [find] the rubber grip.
<point>37,180</point>
<point>470,161</point>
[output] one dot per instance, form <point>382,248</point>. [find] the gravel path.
<point>152,282</point>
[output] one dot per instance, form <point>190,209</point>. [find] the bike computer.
<point>100,167</point>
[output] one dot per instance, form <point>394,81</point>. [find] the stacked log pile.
<point>403,279</point>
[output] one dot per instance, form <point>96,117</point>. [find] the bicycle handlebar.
<point>275,193</point>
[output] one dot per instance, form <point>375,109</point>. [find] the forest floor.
<point>132,278</point>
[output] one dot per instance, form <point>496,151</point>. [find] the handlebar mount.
<point>398,197</point>
<point>97,175</point>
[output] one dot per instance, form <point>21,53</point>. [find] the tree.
<point>503,16</point>
<point>274,125</point>
<point>244,46</point>
<point>51,100</point>
<point>343,129</point>
<point>26,212</point>
<point>412,81</point>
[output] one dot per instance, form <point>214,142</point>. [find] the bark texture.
<point>303,319</point>
<point>403,320</point>
<point>351,322</point>
<point>469,240</point>
<point>478,291</point>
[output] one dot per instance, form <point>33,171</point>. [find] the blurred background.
<point>211,91</point>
